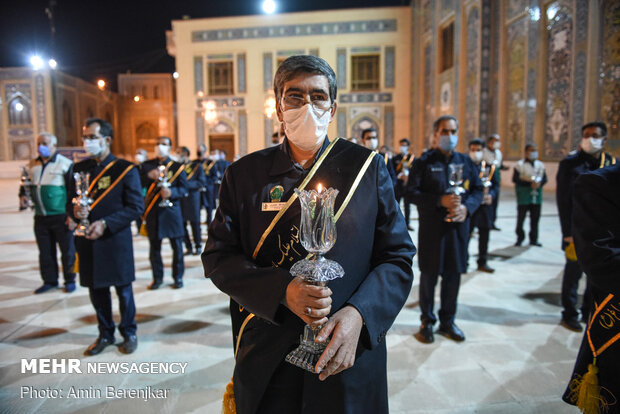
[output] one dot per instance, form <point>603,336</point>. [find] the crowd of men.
<point>455,194</point>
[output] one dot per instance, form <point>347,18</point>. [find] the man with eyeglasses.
<point>588,157</point>
<point>166,184</point>
<point>254,239</point>
<point>106,252</point>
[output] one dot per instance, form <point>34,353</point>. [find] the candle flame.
<point>320,188</point>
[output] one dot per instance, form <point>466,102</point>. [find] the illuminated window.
<point>220,78</point>
<point>19,111</point>
<point>364,72</point>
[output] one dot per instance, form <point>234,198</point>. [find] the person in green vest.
<point>50,174</point>
<point>529,177</point>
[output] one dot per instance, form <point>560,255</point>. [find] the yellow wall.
<point>254,49</point>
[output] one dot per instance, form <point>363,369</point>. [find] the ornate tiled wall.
<point>243,132</point>
<point>267,71</point>
<point>472,70</point>
<point>485,75</point>
<point>609,73</point>
<point>515,83</point>
<point>557,142</point>
<point>198,74</point>
<point>241,87</point>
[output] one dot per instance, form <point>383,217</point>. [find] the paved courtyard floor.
<point>516,359</point>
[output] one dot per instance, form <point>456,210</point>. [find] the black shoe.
<point>44,288</point>
<point>485,268</point>
<point>154,285</point>
<point>197,250</point>
<point>496,228</point>
<point>425,334</point>
<point>188,252</point>
<point>178,284</point>
<point>535,244</point>
<point>129,345</point>
<point>571,324</point>
<point>519,243</point>
<point>409,228</point>
<point>69,287</point>
<point>98,346</point>
<point>452,332</point>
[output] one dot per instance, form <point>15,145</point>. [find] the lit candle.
<point>319,188</point>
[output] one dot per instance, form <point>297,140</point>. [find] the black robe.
<point>373,246</point>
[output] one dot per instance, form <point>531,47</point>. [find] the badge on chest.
<point>276,195</point>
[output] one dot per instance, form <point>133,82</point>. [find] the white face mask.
<point>533,156</point>
<point>404,149</point>
<point>162,150</point>
<point>372,143</point>
<point>592,145</point>
<point>140,158</point>
<point>304,128</point>
<point>496,145</point>
<point>476,156</point>
<point>94,147</point>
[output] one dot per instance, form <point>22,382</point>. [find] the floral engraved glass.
<point>83,200</point>
<point>317,234</point>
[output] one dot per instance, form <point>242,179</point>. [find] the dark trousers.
<point>570,283</point>
<point>534,210</point>
<point>494,204</point>
<point>284,392</point>
<point>177,259</point>
<point>483,246</point>
<point>450,283</point>
<point>102,302</point>
<point>49,231</point>
<point>401,193</point>
<point>196,235</point>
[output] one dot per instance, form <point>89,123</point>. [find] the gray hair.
<point>299,64</point>
<point>52,137</point>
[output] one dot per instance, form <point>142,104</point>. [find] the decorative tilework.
<point>533,48</point>
<point>457,60</point>
<point>514,8</point>
<point>581,23</point>
<point>472,70</point>
<point>200,128</point>
<point>310,29</point>
<point>579,97</point>
<point>485,62</point>
<point>515,98</point>
<point>365,97</point>
<point>609,74</point>
<point>341,67</point>
<point>355,111</point>
<point>287,53</point>
<point>428,91</point>
<point>530,104</point>
<point>220,56</point>
<point>267,71</point>
<point>223,102</point>
<point>388,125</point>
<point>243,132</point>
<point>369,49</point>
<point>361,124</point>
<point>198,74</point>
<point>559,64</point>
<point>241,72</point>
<point>390,66</point>
<point>342,122</point>
<point>447,6</point>
<point>39,90</point>
<point>428,14</point>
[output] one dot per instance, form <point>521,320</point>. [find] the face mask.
<point>372,143</point>
<point>448,142</point>
<point>44,151</point>
<point>476,156</point>
<point>94,147</point>
<point>304,128</point>
<point>404,149</point>
<point>162,150</point>
<point>592,145</point>
<point>140,158</point>
<point>533,156</point>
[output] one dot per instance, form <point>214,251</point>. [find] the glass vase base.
<point>319,270</point>
<point>307,354</point>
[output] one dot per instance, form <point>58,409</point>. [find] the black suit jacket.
<point>373,246</point>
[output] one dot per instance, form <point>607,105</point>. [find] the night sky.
<point>99,39</point>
